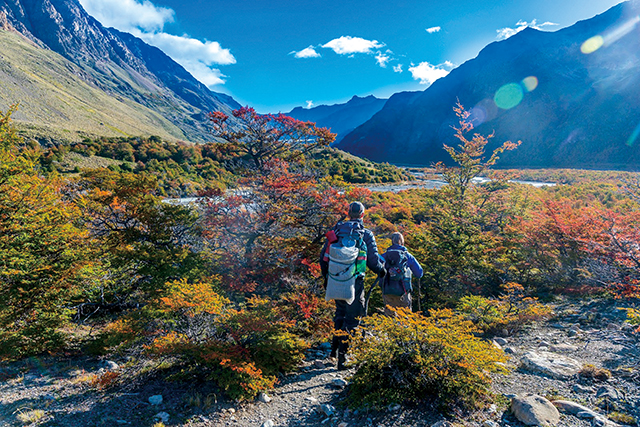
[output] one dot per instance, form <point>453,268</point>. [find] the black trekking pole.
<point>366,300</point>
<point>419,296</point>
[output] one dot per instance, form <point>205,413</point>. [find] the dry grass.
<point>30,416</point>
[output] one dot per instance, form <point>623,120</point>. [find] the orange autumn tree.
<point>43,253</point>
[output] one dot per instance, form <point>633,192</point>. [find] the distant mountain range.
<point>340,118</point>
<point>569,108</point>
<point>75,78</point>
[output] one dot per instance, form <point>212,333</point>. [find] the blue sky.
<point>275,55</point>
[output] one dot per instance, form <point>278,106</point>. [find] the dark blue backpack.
<point>398,279</point>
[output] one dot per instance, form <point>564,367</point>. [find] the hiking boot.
<point>335,343</point>
<point>342,358</point>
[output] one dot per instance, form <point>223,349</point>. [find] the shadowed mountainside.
<point>581,110</point>
<point>340,118</point>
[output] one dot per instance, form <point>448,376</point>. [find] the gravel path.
<point>56,392</point>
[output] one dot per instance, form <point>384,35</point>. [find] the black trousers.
<point>347,316</point>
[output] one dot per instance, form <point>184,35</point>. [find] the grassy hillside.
<point>56,104</point>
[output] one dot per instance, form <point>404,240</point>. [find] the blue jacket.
<point>412,263</point>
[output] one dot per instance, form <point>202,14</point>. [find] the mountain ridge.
<point>119,64</point>
<point>340,118</point>
<point>579,102</point>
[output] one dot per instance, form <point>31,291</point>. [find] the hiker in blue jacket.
<point>397,293</point>
<point>347,316</point>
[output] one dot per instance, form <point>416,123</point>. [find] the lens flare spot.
<point>530,83</point>
<point>477,116</point>
<point>592,44</point>
<point>634,136</point>
<point>508,96</point>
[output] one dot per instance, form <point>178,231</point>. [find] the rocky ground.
<point>545,358</point>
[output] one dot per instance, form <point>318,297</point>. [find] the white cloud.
<point>145,20</point>
<point>347,45</point>
<point>126,15</point>
<point>309,104</point>
<point>427,73</point>
<point>433,30</point>
<point>505,33</point>
<point>382,59</point>
<point>309,52</point>
<point>397,68</point>
<point>186,48</point>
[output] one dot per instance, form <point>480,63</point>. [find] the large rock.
<point>583,412</point>
<point>534,410</point>
<point>551,364</point>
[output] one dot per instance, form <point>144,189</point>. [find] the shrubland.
<point>229,288</point>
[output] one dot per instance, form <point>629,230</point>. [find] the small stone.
<point>558,326</point>
<point>339,382</point>
<point>510,396</point>
<point>394,408</point>
<point>325,346</point>
<point>496,345</point>
<point>343,425</point>
<point>442,424</point>
<point>162,416</point>
<point>501,341</point>
<point>268,423</point>
<point>607,391</point>
<point>573,332</point>
<point>231,411</point>
<point>311,399</point>
<point>326,409</point>
<point>319,364</point>
<point>493,408</point>
<point>489,423</point>
<point>510,350</point>
<point>110,365</point>
<point>264,398</point>
<point>585,414</point>
<point>544,344</point>
<point>562,348</point>
<point>156,399</point>
<point>579,388</point>
<point>122,422</point>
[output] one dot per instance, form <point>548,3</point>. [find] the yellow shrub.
<point>510,311</point>
<point>411,358</point>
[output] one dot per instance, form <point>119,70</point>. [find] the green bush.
<point>411,358</point>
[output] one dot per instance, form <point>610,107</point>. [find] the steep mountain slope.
<point>115,63</point>
<point>579,111</point>
<point>341,118</point>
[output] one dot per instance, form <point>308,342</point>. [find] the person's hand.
<point>382,273</point>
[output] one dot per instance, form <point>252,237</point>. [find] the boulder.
<point>534,410</point>
<point>551,364</point>
<point>572,408</point>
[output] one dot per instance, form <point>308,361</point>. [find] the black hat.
<point>356,210</point>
